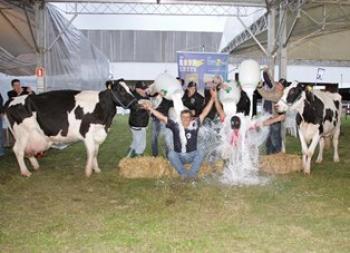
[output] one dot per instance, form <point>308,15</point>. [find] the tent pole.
<point>271,31</point>
<point>39,11</point>
<point>282,49</point>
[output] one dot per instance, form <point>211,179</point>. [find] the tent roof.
<point>18,47</point>
<point>321,33</point>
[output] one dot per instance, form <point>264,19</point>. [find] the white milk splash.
<point>240,150</point>
<point>171,89</point>
<point>179,107</point>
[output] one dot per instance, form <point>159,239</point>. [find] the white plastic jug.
<point>229,96</point>
<point>168,86</point>
<point>249,77</point>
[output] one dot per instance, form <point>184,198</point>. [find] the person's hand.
<point>213,93</point>
<point>145,104</point>
<point>29,90</point>
<point>260,85</point>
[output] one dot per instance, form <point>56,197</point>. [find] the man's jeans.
<point>158,129</point>
<point>274,139</point>
<point>138,139</point>
<point>2,150</point>
<point>179,159</point>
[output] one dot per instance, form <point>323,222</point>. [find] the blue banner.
<point>201,66</point>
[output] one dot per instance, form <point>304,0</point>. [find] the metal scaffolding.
<point>271,33</point>
<point>145,8</point>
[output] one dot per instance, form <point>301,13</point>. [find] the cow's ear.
<point>301,86</point>
<point>308,93</point>
<point>109,84</point>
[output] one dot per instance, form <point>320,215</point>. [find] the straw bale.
<point>157,167</point>
<point>280,163</point>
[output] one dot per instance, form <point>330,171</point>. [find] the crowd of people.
<point>200,110</point>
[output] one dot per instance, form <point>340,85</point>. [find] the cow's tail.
<point>8,123</point>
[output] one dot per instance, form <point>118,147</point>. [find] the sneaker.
<point>130,153</point>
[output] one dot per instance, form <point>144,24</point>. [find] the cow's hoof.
<point>97,170</point>
<point>307,173</point>
<point>336,160</point>
<point>26,174</point>
<point>88,173</point>
<point>318,160</point>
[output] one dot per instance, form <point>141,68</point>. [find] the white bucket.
<point>249,77</point>
<point>168,86</point>
<point>229,97</point>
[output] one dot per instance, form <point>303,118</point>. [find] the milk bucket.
<point>229,96</point>
<point>249,77</point>
<point>168,86</point>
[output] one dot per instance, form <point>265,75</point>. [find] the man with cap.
<point>214,83</point>
<point>138,122</point>
<point>274,94</point>
<point>192,99</point>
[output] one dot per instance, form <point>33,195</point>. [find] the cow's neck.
<point>311,111</point>
<point>299,105</point>
<point>107,104</point>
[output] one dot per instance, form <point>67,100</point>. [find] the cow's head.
<point>291,97</point>
<point>121,93</point>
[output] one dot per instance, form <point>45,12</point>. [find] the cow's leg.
<point>304,149</point>
<point>18,149</point>
<point>90,151</point>
<point>34,162</point>
<point>98,138</point>
<point>311,150</point>
<point>335,144</point>
<point>95,163</point>
<point>320,153</point>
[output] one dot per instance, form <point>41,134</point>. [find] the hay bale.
<point>280,163</point>
<point>157,167</point>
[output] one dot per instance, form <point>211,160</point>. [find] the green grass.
<point>59,210</point>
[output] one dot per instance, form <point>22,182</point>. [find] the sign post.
<point>40,79</point>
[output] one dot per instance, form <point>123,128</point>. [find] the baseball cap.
<point>191,84</point>
<point>141,85</point>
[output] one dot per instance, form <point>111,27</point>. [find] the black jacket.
<point>196,102</point>
<point>1,104</point>
<point>138,117</point>
<point>12,93</point>
<point>213,112</point>
<point>164,106</point>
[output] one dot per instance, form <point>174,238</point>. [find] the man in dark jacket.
<point>18,90</point>
<point>271,92</point>
<point>2,151</point>
<point>192,99</point>
<point>215,83</point>
<point>138,121</point>
<point>158,127</point>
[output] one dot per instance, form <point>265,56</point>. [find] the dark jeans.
<point>274,139</point>
<point>158,129</point>
<point>155,133</point>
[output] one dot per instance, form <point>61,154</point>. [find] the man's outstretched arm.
<point>208,107</point>
<point>157,114</point>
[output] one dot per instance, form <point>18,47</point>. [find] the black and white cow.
<point>318,116</point>
<point>62,117</point>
